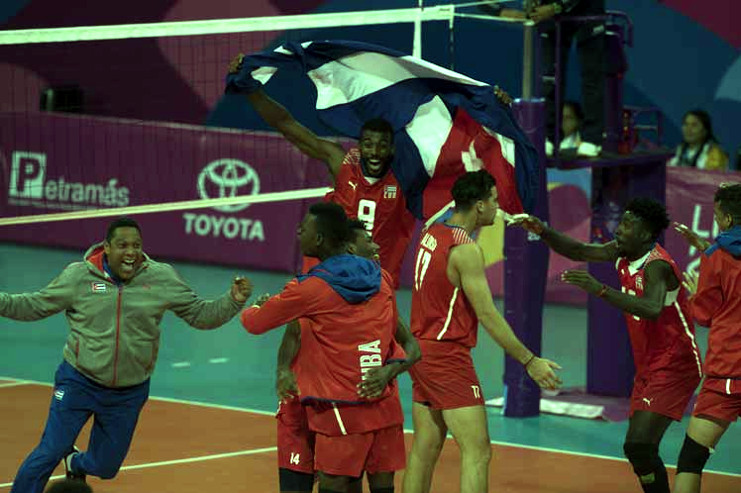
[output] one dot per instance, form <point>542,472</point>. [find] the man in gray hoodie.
<point>114,301</point>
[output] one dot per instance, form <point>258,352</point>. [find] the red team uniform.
<point>333,359</point>
<point>445,325</point>
<point>379,203</point>
<point>667,360</point>
<point>717,305</point>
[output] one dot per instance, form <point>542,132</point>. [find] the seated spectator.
<point>699,148</point>
<point>69,486</point>
<point>572,118</point>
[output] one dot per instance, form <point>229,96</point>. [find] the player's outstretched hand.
<point>241,289</point>
<point>542,371</point>
<point>285,384</point>
<point>528,223</point>
<point>236,63</point>
<point>513,14</point>
<point>375,382</point>
<point>261,300</point>
<point>690,282</point>
<point>542,13</point>
<point>582,279</point>
<point>691,237</point>
<point>503,96</point>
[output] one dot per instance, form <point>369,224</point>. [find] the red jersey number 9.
<point>367,213</point>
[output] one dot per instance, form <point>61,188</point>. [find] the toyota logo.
<point>228,178</point>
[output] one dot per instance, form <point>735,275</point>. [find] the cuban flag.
<point>445,123</point>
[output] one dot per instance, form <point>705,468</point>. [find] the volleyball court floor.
<point>209,425</point>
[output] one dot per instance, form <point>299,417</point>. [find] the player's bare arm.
<point>411,347</point>
<point>691,237</point>
<point>275,115</point>
<point>466,271</point>
<point>658,279</point>
<point>568,246</point>
<point>285,380</point>
<point>304,139</point>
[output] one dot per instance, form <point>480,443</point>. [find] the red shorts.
<point>373,452</point>
<point>445,377</point>
<point>295,439</point>
<point>718,399</point>
<point>664,393</point>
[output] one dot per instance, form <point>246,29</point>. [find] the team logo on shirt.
<point>389,192</point>
<point>353,185</point>
<point>59,394</point>
<point>98,287</point>
<point>370,356</point>
<point>639,282</point>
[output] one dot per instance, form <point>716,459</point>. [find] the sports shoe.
<point>68,466</point>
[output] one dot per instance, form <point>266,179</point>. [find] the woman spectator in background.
<point>699,148</point>
<point>572,117</point>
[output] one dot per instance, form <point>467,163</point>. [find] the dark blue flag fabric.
<point>445,123</point>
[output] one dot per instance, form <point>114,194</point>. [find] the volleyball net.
<point>104,121</point>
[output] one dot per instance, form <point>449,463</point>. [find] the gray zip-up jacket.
<point>114,330</point>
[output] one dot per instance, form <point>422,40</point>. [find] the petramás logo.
<point>30,186</point>
<point>220,179</point>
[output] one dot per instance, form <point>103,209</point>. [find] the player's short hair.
<point>356,227</point>
<point>651,213</point>
<point>121,222</point>
<point>472,187</point>
<point>728,197</point>
<point>331,223</point>
<point>378,125</point>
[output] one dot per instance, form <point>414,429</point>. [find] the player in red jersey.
<point>351,308</point>
<point>662,335</point>
<point>449,299</point>
<point>716,305</point>
<point>364,184</point>
<point>295,439</point>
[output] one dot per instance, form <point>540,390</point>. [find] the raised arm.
<point>709,295</point>
<point>295,301</point>
<point>304,139</point>
<point>205,314</point>
<point>569,247</point>
<point>58,295</point>
<point>466,264</point>
<point>275,115</point>
<point>658,280</point>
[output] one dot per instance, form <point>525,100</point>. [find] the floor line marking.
<point>13,384</point>
<point>493,442</point>
<point>181,461</point>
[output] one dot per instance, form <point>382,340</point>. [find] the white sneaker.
<point>68,466</point>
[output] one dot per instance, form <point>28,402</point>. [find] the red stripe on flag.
<point>450,165</point>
